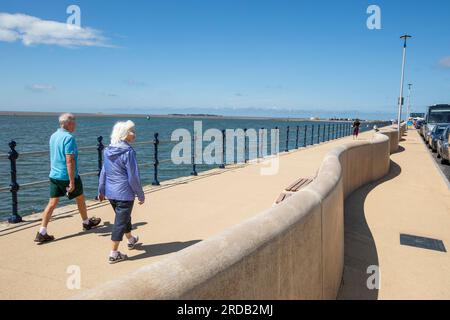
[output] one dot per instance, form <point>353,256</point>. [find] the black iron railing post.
<point>296,139</point>
<point>323,133</point>
<point>155,160</point>
<point>260,143</point>
<point>14,186</point>
<point>304,137</point>
<point>277,141</point>
<point>222,166</point>
<point>245,145</point>
<point>287,139</point>
<point>328,132</point>
<point>312,135</point>
<point>194,167</point>
<point>318,134</point>
<point>100,148</point>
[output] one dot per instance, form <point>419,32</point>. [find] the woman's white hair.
<point>120,131</point>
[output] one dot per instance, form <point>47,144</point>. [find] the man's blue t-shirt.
<point>61,143</point>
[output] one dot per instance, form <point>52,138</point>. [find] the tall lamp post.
<point>400,99</point>
<point>408,112</point>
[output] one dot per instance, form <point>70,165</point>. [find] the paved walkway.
<point>175,216</point>
<point>181,213</point>
<point>413,199</point>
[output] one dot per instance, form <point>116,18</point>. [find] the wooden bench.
<point>294,187</point>
<point>297,185</point>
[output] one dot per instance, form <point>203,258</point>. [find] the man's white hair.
<point>120,131</point>
<point>65,119</point>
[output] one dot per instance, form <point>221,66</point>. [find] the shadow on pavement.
<point>153,250</point>
<point>360,251</point>
<point>399,150</point>
<point>104,230</point>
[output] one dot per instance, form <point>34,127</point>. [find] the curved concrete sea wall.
<point>294,250</point>
<point>392,133</point>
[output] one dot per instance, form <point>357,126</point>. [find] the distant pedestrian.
<point>355,127</point>
<point>120,184</point>
<point>64,178</point>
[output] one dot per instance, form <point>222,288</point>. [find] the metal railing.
<point>317,134</point>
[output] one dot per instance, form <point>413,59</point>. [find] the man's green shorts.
<point>58,188</point>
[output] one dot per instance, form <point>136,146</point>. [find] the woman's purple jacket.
<point>119,178</point>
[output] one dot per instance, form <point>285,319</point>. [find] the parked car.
<point>438,113</point>
<point>425,130</point>
<point>419,123</point>
<point>443,147</point>
<point>435,134</point>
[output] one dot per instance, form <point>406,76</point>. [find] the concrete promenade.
<point>411,199</point>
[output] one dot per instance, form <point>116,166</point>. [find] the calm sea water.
<point>32,133</point>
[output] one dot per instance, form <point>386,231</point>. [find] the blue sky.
<point>226,57</point>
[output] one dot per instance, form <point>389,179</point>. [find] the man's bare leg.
<point>42,236</point>
<point>88,223</point>
<point>81,203</point>
<point>47,215</point>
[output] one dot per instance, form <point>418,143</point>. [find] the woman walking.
<point>120,183</point>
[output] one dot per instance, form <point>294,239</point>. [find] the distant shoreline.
<point>165,116</point>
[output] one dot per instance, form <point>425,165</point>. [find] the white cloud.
<point>34,31</point>
<point>8,35</point>
<point>445,62</point>
<point>37,87</point>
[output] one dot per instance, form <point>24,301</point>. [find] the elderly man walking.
<point>64,178</point>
